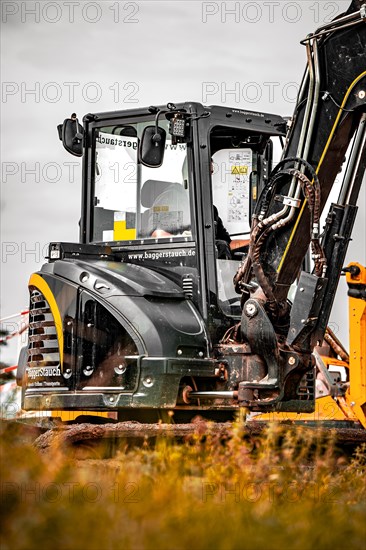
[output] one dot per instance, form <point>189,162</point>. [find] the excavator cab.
<point>157,208</point>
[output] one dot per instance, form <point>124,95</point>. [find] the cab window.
<point>132,201</point>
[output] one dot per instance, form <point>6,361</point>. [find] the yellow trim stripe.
<point>38,282</point>
<point>319,165</point>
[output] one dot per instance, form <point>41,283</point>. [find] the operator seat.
<point>167,205</point>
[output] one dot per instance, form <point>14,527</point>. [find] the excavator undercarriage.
<point>144,320</point>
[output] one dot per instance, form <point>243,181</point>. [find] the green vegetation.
<point>289,489</point>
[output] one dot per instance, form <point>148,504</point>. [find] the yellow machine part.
<point>326,408</point>
<point>351,407</point>
<point>356,394</point>
<point>69,416</point>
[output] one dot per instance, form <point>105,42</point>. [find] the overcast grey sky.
<point>61,57</point>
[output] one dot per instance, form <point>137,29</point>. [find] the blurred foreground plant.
<point>288,488</point>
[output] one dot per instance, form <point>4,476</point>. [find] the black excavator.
<point>203,281</point>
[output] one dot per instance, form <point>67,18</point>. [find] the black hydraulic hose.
<point>260,231</point>
<point>268,188</point>
<point>297,160</point>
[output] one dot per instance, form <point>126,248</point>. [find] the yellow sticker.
<point>121,233</point>
<point>161,209</point>
<point>239,170</point>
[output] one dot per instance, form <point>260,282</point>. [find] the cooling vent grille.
<point>43,350</point>
<point>188,286</point>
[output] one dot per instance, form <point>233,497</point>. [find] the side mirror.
<point>71,134</point>
<point>152,146</point>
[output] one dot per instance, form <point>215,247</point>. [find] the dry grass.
<point>288,490</point>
